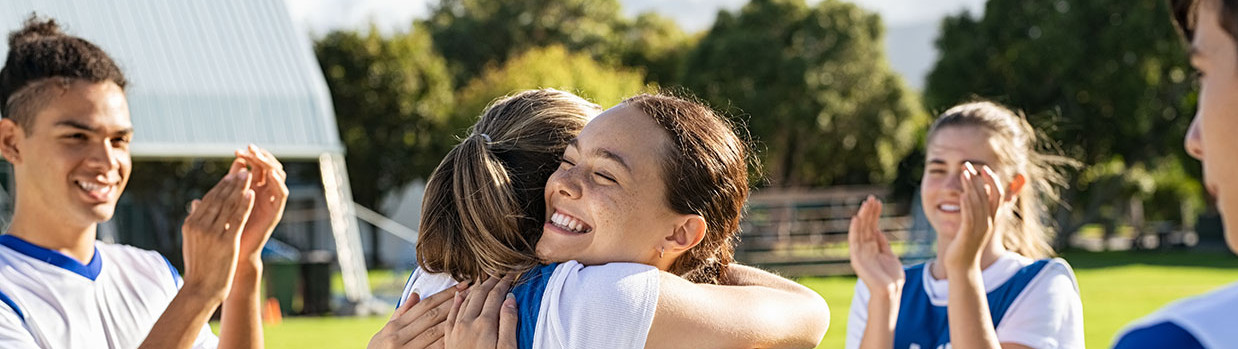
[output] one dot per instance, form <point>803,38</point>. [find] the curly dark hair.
<point>42,56</point>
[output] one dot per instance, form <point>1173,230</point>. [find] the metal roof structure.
<point>206,77</point>
<point>209,77</point>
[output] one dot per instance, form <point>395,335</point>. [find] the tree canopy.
<point>817,90</point>
<point>549,67</point>
<point>392,99</point>
<point>1107,79</point>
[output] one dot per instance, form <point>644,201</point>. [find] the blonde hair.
<point>1016,149</point>
<point>484,206</point>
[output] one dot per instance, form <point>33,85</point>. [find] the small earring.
<point>661,252</point>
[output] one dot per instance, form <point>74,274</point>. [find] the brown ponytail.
<point>483,207</point>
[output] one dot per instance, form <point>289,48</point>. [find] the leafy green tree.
<point>657,45</point>
<point>392,97</point>
<point>1107,79</point>
<point>820,94</point>
<point>473,33</point>
<point>550,67</point>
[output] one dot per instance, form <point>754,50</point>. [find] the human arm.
<point>775,313</point>
<point>241,323</point>
<point>982,200</point>
<point>211,235</point>
<point>880,270</point>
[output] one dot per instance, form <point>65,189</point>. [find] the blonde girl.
<point>993,284</point>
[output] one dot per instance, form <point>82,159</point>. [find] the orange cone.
<point>271,314</point>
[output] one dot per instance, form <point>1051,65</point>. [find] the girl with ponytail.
<point>992,284</point>
<point>636,216</point>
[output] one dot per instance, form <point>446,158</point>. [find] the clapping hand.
<point>871,257</point>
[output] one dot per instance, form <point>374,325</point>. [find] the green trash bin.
<point>283,279</point>
<point>316,282</point>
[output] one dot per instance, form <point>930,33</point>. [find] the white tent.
<point>208,77</point>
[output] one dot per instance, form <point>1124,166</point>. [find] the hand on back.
<point>483,317</point>
<point>418,323</point>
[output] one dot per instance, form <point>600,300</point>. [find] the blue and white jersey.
<point>50,300</point>
<point>1033,303</point>
<point>1205,321</point>
<point>425,284</point>
<point>569,305</point>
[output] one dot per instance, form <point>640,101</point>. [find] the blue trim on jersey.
<point>5,298</point>
<point>400,301</point>
<point>1162,335</point>
<point>922,323</point>
<point>528,292</point>
<point>176,274</point>
<point>89,271</point>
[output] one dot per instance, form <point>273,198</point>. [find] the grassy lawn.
<point>1117,288</point>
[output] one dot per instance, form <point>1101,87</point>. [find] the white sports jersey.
<point>574,306</point>
<point>49,300</point>
<point>1047,313</point>
<point>1208,319</point>
<point>425,284</point>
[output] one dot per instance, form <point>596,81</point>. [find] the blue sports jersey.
<point>528,292</point>
<point>924,325</point>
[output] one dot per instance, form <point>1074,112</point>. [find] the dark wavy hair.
<point>42,57</point>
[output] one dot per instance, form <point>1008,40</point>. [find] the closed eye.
<point>605,177</point>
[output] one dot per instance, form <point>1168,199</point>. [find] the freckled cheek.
<point>614,209</point>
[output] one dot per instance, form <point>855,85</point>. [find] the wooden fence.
<point>804,232</point>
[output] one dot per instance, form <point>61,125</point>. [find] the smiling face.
<point>73,162</point>
<point>940,187</point>
<point>1211,137</point>
<point>607,201</point>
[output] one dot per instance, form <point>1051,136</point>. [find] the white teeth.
<point>93,187</point>
<point>567,222</point>
<point>949,208</point>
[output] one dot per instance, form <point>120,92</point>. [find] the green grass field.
<point>1117,288</point>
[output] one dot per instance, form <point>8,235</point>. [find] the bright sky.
<point>320,16</point>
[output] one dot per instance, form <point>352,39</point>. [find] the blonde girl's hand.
<point>871,256</point>
<point>979,206</point>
